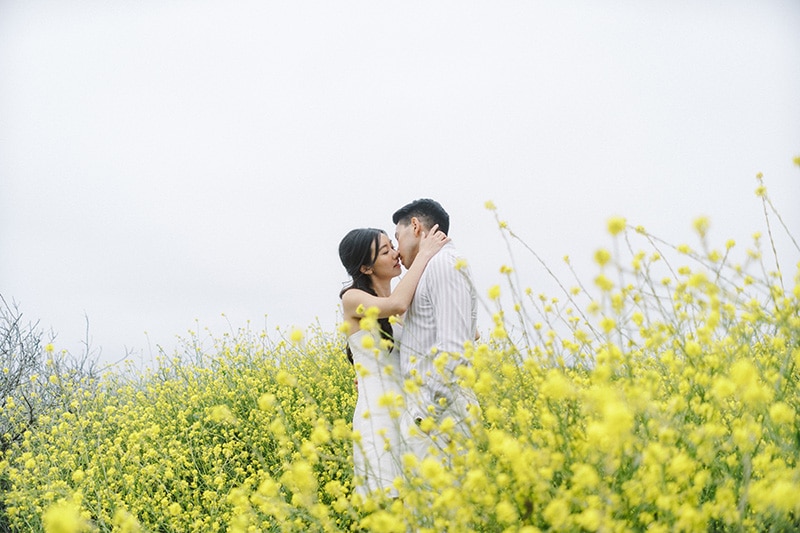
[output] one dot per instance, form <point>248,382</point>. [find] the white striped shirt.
<point>442,316</point>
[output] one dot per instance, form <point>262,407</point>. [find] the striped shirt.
<point>441,318</point>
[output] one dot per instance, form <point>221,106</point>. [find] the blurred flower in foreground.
<point>602,256</point>
<point>616,225</point>
<point>494,292</point>
<point>221,414</point>
<point>63,517</point>
<point>701,225</point>
<point>296,336</point>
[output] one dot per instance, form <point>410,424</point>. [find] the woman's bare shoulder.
<point>354,297</point>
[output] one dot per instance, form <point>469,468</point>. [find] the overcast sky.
<point>164,162</point>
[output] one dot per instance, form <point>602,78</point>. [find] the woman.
<point>372,262</point>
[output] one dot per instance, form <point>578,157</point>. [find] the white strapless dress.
<point>376,458</point>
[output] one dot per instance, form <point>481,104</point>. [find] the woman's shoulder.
<point>353,295</point>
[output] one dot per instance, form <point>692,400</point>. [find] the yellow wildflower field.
<point>664,396</point>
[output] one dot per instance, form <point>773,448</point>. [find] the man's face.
<point>408,241</point>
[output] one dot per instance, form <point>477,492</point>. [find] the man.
<point>441,318</point>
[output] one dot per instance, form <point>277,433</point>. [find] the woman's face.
<point>387,263</point>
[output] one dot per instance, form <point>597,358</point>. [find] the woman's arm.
<point>400,298</point>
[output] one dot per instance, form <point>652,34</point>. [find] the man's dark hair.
<point>428,211</point>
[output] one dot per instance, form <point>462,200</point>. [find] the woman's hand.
<point>432,241</point>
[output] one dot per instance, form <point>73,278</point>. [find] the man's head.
<point>412,220</point>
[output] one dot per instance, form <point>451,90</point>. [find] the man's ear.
<point>416,225</point>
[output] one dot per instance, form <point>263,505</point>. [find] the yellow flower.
<point>221,414</point>
<point>781,413</point>
<point>590,519</point>
<point>461,263</point>
<point>616,225</point>
<point>320,435</point>
<point>383,521</point>
<point>556,386</point>
<point>499,332</point>
<point>556,513</point>
<point>341,429</point>
<point>603,283</point>
<point>618,417</point>
<point>693,349</point>
<point>411,386</point>
<point>494,292</point>
<point>125,522</point>
<point>489,205</point>
<point>506,512</point>
<point>266,402</point>
<point>49,347</point>
<point>369,322</point>
<point>784,495</point>
<point>386,344</point>
<point>602,256</point>
<point>427,424</point>
<point>368,342</point>
<point>389,399</point>
<point>723,388</point>
<point>433,472</point>
<point>701,225</point>
<point>608,324</point>
<point>585,477</point>
<point>296,336</point>
<point>743,372</point>
<point>300,478</point>
<point>286,379</point>
<point>63,517</point>
<point>410,461</point>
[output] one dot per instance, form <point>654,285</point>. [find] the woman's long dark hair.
<point>360,247</point>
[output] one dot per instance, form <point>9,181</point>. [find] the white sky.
<point>163,163</point>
